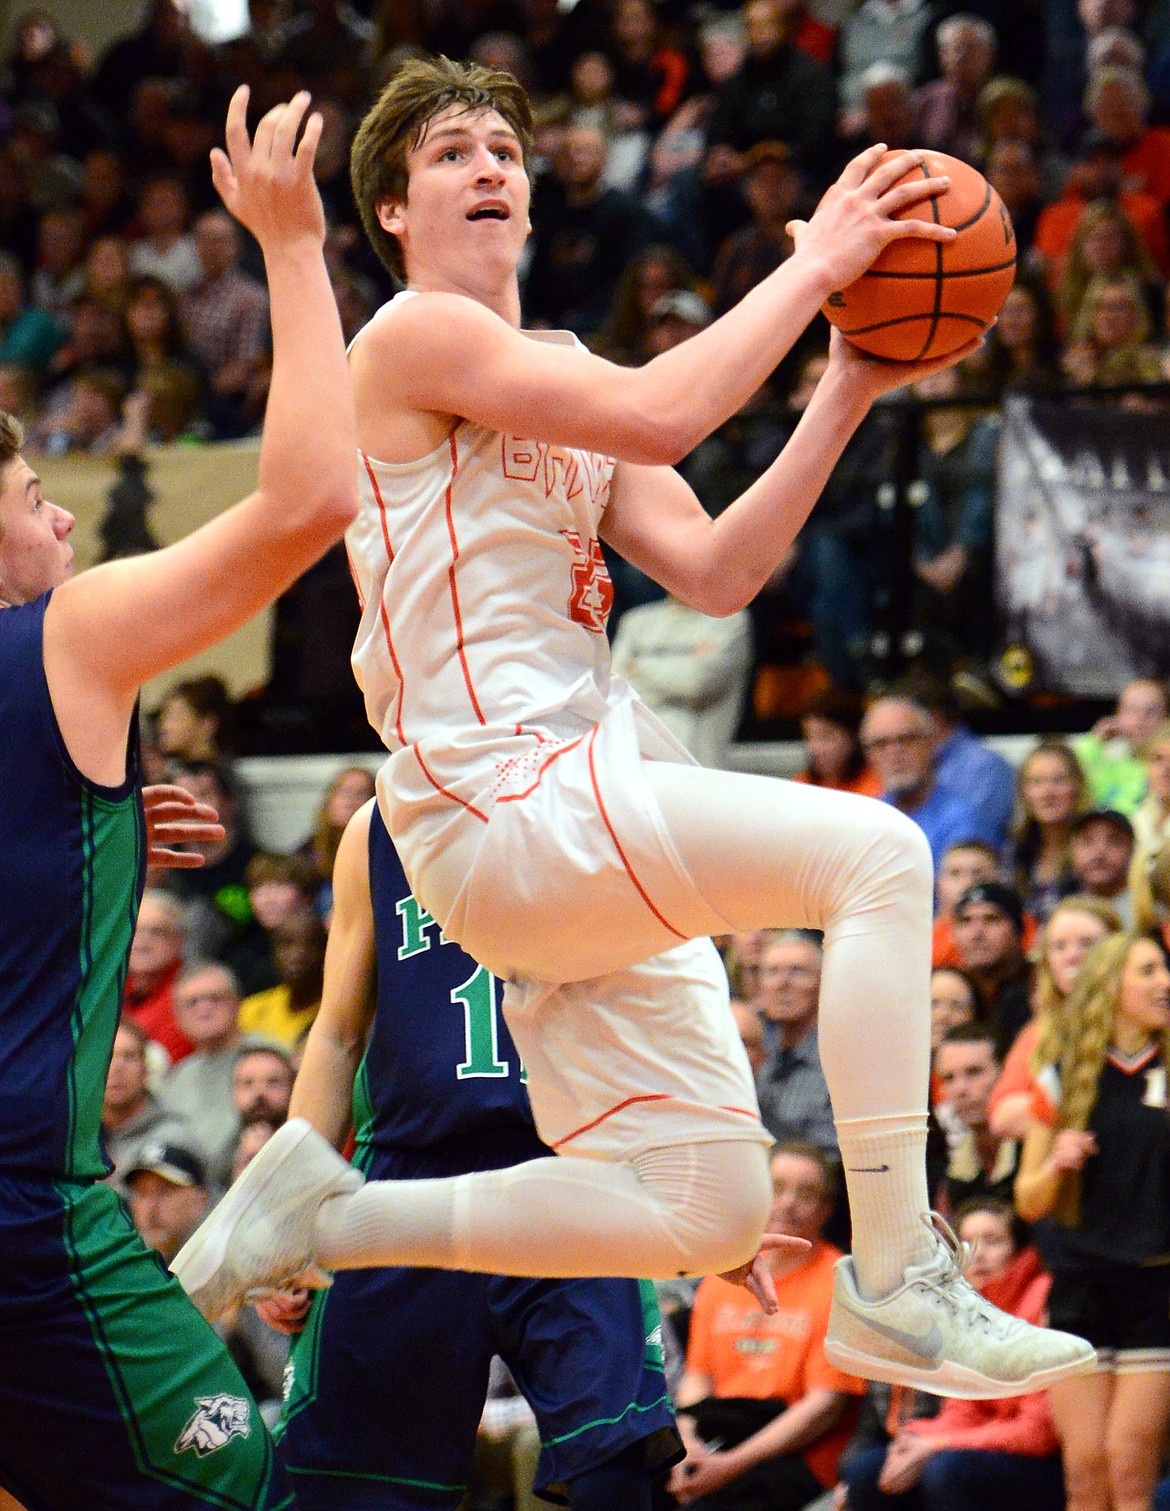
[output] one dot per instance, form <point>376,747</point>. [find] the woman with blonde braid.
<point>1074,926</point>
<point>1097,1158</point>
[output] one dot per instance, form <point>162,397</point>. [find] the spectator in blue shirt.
<point>898,738</point>
<point>963,763</point>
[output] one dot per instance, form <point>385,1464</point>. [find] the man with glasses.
<point>897,736</point>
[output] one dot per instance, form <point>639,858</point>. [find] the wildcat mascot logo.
<point>217,1420</point>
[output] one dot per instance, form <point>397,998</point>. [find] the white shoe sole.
<point>949,1379</point>
<point>198,1263</point>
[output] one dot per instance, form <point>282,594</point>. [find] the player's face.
<point>465,216</point>
<point>35,554</point>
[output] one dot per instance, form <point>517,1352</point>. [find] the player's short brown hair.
<point>397,121</point>
<point>11,440</point>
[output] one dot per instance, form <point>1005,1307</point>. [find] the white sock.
<point>885,1171</point>
<point>684,1209</point>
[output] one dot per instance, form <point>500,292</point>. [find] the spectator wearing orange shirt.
<point>762,1413</point>
<point>1118,104</point>
<point>1098,174</point>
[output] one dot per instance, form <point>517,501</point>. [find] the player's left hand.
<point>876,376</point>
<point>757,1276</point>
<point>175,817</point>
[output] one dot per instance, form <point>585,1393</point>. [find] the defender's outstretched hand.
<point>175,816</point>
<point>757,1276</point>
<point>852,223</point>
<point>267,183</point>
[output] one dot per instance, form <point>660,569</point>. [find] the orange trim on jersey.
<point>438,786</point>
<point>641,890</point>
<point>514,797</point>
<point>382,611</point>
<point>657,1096</point>
<point>353,577</point>
<point>743,1111</point>
<point>451,578</point>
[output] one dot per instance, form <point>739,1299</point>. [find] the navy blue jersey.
<point>72,865</point>
<point>440,1072</point>
<point>386,1384</point>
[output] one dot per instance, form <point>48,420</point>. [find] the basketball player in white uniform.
<point>553,828</point>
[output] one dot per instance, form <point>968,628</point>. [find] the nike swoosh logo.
<point>928,1345</point>
<point>867,1169</point>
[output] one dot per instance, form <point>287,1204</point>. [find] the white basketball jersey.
<point>484,593</point>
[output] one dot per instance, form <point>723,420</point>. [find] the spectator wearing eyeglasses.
<point>794,1100</point>
<point>897,736</point>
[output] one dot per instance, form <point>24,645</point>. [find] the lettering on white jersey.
<point>524,460</point>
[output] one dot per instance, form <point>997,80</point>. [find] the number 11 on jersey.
<point>477,995</point>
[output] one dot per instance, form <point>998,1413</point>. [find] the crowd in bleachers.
<point>674,142</point>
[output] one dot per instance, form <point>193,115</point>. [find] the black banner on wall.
<point>1083,540</point>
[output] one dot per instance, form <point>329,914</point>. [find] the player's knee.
<point>718,1213</point>
<point>894,866</point>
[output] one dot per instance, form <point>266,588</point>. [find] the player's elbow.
<point>719,593</point>
<point>652,434</point>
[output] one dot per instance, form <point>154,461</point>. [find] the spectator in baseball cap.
<point>988,930</point>
<point>167,1195</point>
<point>1101,849</point>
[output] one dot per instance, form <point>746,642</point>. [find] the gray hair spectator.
<point>131,1114</point>
<point>794,1100</point>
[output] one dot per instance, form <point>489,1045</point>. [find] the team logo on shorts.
<point>217,1420</point>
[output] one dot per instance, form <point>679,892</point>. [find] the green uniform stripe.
<point>635,1408</point>
<point>363,1105</point>
<point>381,1479</point>
<point>160,1357</point>
<point>112,840</point>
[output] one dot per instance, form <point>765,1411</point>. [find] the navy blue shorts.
<point>114,1392</point>
<point>386,1383</point>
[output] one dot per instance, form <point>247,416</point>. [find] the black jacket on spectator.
<point>786,97</point>
<point>579,253</point>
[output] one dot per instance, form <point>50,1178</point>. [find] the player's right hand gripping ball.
<point>923,298</point>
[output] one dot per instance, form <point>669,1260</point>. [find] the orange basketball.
<point>924,298</point>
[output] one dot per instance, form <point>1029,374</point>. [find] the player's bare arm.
<point>718,566</point>
<point>109,630</point>
<point>412,375</point>
<point>337,1040</point>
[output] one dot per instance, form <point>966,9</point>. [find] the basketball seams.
<point>932,329</point>
<point>891,314</point>
<point>992,267</point>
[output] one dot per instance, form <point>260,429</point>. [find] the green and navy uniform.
<point>114,1393</point>
<point>387,1382</point>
